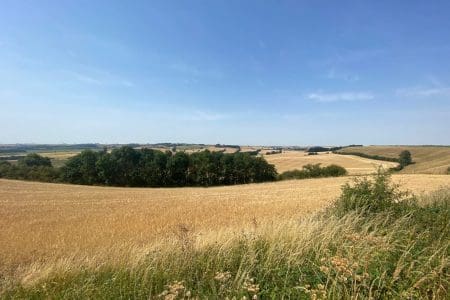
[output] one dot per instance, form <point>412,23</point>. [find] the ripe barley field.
<point>290,160</point>
<point>43,222</point>
<point>427,159</point>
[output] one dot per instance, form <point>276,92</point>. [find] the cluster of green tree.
<point>322,149</point>
<point>313,153</point>
<point>146,167</point>
<point>274,152</point>
<point>314,171</point>
<point>31,167</point>
<point>126,166</point>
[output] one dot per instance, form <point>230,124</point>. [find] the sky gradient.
<point>235,72</point>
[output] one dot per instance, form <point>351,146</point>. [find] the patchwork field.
<point>45,222</point>
<point>290,160</point>
<point>428,159</point>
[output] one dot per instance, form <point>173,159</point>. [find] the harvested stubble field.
<point>42,222</point>
<point>290,160</point>
<point>427,159</point>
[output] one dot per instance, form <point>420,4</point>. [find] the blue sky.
<point>240,72</point>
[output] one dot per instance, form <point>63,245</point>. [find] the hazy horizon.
<point>229,72</point>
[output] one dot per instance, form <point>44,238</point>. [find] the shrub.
<point>370,196</point>
<point>313,171</point>
<point>405,158</point>
<point>334,171</point>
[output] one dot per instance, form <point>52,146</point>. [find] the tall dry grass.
<point>390,254</point>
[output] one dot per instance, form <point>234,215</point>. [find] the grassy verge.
<point>375,242</point>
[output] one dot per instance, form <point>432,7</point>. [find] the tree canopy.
<point>126,166</point>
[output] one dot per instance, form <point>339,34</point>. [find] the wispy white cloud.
<point>87,79</point>
<point>98,77</point>
<point>335,74</point>
<point>195,71</point>
<point>337,97</point>
<point>200,115</point>
<point>423,92</point>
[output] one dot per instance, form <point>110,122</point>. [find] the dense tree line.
<point>126,166</point>
<point>314,171</point>
<point>370,156</point>
<point>147,167</point>
<point>404,158</point>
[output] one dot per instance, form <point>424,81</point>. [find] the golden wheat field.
<point>428,159</point>
<point>44,222</point>
<point>290,160</point>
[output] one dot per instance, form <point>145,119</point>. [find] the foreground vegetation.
<point>374,242</point>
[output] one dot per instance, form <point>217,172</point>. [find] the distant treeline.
<point>227,146</point>
<point>126,166</point>
<point>404,158</point>
<point>274,152</point>
<point>322,149</point>
<point>45,147</point>
<point>365,155</point>
<point>12,157</point>
<point>314,171</point>
<point>326,149</point>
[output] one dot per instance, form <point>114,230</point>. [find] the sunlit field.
<point>290,160</point>
<point>427,159</point>
<point>45,222</point>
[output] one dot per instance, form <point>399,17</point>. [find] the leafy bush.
<point>314,171</point>
<point>405,158</point>
<point>378,194</point>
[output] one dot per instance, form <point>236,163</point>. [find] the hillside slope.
<point>428,159</point>
<point>355,165</point>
